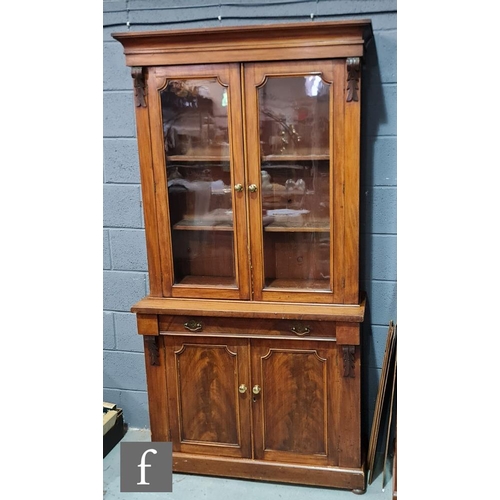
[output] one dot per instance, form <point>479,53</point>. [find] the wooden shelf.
<point>220,219</point>
<point>194,158</point>
<point>274,227</point>
<point>298,157</point>
<point>208,281</point>
<point>298,284</point>
<point>278,227</point>
<point>191,225</point>
<point>267,193</point>
<point>277,165</point>
<point>273,158</point>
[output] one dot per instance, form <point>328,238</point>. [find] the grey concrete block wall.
<point>128,249</point>
<point>124,258</point>
<point>122,206</point>
<point>121,158</point>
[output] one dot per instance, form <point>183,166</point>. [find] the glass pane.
<point>195,128</point>
<point>295,182</point>
<point>195,119</point>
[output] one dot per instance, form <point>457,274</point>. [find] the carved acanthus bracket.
<point>348,358</point>
<point>153,352</point>
<point>139,86</point>
<point>352,79</point>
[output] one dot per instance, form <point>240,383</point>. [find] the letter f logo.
<point>143,465</point>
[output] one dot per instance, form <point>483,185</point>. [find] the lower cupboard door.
<point>208,396</point>
<point>293,401</point>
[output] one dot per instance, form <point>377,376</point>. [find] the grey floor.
<point>192,487</point>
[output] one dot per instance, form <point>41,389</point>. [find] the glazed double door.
<point>251,182</point>
<point>254,398</point>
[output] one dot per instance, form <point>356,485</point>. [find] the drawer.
<point>186,325</point>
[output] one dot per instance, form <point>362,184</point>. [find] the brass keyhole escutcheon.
<point>256,389</point>
<point>242,388</point>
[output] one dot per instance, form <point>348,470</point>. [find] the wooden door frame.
<point>332,71</point>
<point>227,75</point>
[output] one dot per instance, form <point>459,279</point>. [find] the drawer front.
<point>186,325</point>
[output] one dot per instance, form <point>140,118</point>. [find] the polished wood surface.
<point>251,309</point>
<point>293,417</point>
<point>147,324</point>
<point>208,413</point>
<point>299,329</point>
<point>252,325</point>
<point>272,42</point>
<point>348,414</point>
<point>159,419</point>
<point>350,478</point>
<point>351,200</point>
<point>149,201</point>
<point>337,173</point>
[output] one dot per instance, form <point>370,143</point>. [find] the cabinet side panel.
<point>349,405</point>
<point>148,199</point>
<point>158,154</point>
<point>157,387</point>
<point>352,158</point>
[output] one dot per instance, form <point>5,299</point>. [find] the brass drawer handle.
<point>238,188</point>
<point>252,188</point>
<point>242,388</point>
<point>300,330</point>
<point>193,326</point>
<point>256,389</point>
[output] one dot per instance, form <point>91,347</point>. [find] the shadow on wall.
<point>373,114</point>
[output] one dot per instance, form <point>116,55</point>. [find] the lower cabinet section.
<point>274,409</point>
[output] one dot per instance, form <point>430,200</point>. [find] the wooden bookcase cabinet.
<point>249,155</point>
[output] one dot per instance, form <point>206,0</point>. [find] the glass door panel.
<point>294,131</point>
<point>196,135</point>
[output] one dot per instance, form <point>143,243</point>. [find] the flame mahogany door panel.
<point>208,413</point>
<point>294,410</point>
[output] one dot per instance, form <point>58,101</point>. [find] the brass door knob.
<point>252,188</point>
<point>256,389</point>
<point>238,188</point>
<point>242,388</point>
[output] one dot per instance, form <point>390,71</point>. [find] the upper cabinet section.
<point>249,152</point>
